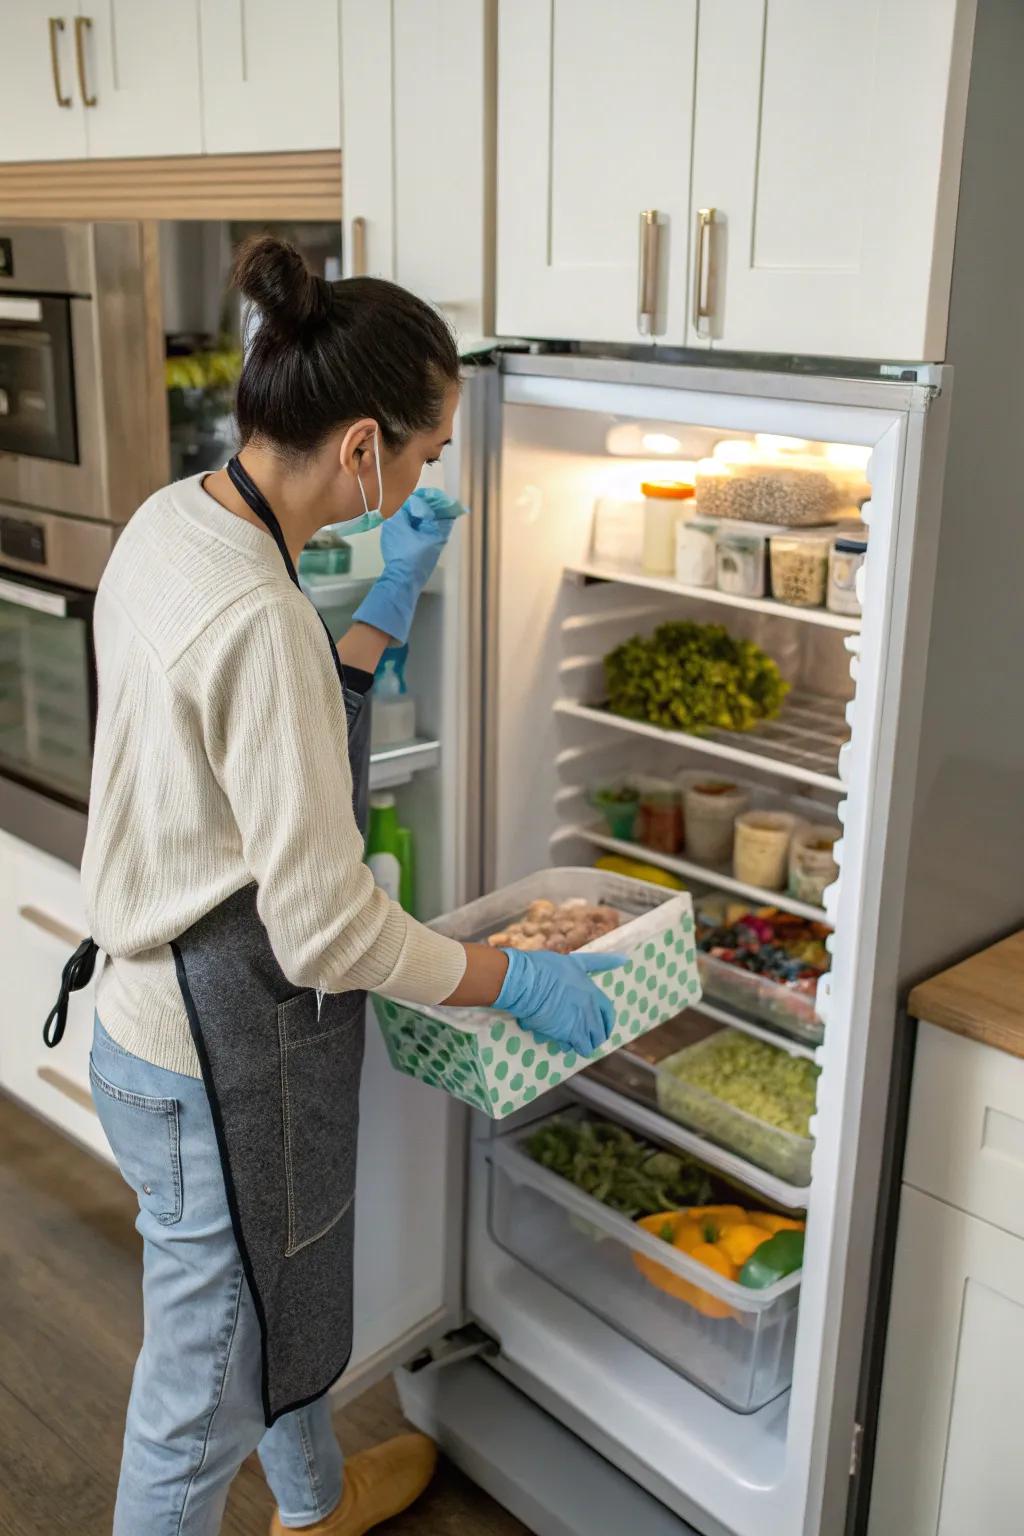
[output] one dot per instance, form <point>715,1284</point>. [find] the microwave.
<point>83,417</point>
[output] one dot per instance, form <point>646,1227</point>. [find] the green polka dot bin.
<point>484,1058</point>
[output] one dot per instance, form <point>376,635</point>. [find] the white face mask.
<point>373,516</point>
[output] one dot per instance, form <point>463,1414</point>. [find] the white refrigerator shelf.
<point>649,1122</point>
<point>632,576</point>
<point>717,876</point>
<point>803,743</point>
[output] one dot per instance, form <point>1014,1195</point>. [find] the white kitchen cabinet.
<point>41,114</point>
<point>948,1459</point>
<point>271,75</point>
<point>417,89</point>
<point>827,140</point>
<point>595,116</point>
<point>41,922</point>
<point>139,77</point>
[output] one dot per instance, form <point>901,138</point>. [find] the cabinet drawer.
<point>965,1142</point>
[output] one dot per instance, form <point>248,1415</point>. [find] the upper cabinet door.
<point>138,75</point>
<point>417,94</point>
<point>271,77</point>
<point>827,141</point>
<point>41,114</point>
<point>595,113</point>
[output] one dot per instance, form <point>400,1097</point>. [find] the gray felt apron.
<point>281,1068</point>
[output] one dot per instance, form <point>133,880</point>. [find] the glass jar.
<point>761,855</point>
<point>695,552</point>
<point>664,505</point>
<point>799,563</point>
<point>812,865</point>
<point>660,823</point>
<point>845,559</point>
<point>740,563</point>
<point>710,808</point>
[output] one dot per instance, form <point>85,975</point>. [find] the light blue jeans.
<point>195,1411</point>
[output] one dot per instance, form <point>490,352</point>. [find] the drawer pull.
<point>51,925</point>
<point>68,1087</point>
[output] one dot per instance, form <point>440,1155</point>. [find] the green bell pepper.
<point>773,1260</point>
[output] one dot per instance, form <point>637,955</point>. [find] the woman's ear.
<point>356,443</point>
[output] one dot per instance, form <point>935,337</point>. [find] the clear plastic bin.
<point>742,1355</point>
<point>643,1071</point>
<point>757,997</point>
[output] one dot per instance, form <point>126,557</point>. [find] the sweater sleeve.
<point>276,736</point>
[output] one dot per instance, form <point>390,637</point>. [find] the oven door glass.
<point>37,385</point>
<point>47,688</point>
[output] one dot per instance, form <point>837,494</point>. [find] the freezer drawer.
<point>735,1343</point>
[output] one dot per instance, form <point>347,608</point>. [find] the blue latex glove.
<point>411,543</point>
<point>553,996</point>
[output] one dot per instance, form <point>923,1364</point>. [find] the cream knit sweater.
<point>221,759</point>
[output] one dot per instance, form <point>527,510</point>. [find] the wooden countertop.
<point>981,998</point>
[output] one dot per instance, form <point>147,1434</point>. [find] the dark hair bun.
<point>274,276</point>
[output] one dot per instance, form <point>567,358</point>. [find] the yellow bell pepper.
<point>722,1237</point>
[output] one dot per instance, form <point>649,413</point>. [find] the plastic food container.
<point>647,1071</point>
<point>812,866</point>
<point>792,490</point>
<point>695,552</point>
<point>759,998</point>
<point>799,562</point>
<point>741,562</point>
<point>743,1356</point>
<point>710,808</point>
<point>485,1058</point>
<point>618,535</point>
<point>619,803</point>
<point>660,823</point>
<point>664,505</point>
<point>844,561</point>
<point>334,559</point>
<point>761,853</point>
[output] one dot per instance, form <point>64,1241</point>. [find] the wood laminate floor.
<point>70,1327</point>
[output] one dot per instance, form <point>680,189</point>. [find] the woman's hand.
<point>553,996</point>
<point>411,543</point>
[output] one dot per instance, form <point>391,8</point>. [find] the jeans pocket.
<point>144,1137</point>
<point>321,1062</point>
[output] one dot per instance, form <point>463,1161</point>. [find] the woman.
<point>224,880</point>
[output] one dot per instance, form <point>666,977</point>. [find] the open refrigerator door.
<point>740,1421</point>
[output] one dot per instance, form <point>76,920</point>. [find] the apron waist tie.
<point>76,974</point>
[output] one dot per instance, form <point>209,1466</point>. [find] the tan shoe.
<point>379,1484</point>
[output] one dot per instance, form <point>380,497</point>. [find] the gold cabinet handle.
<point>358,262</point>
<point>51,925</point>
<point>702,270</point>
<point>56,28</point>
<point>647,291</point>
<point>83,24</point>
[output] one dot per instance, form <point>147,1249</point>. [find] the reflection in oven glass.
<point>44,701</point>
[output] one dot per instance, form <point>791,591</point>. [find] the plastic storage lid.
<point>667,490</point>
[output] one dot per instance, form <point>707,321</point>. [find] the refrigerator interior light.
<point>773,443</point>
<point>660,442</point>
<point>734,450</point>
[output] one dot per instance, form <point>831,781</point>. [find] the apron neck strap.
<point>255,500</point>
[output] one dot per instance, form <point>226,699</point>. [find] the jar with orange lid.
<point>666,502</point>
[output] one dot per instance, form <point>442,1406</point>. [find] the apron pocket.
<point>321,1061</point>
<point>143,1136</point>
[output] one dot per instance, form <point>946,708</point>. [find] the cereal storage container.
<point>799,566</point>
<point>734,1342</point>
<point>791,490</point>
<point>485,1058</point>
